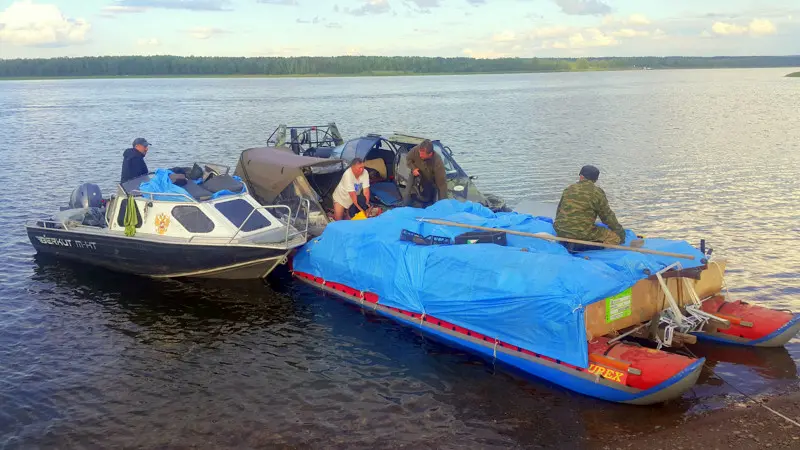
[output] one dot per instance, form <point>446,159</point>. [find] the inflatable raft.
<point>572,319</point>
<point>750,324</point>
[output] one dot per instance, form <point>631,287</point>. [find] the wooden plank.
<point>647,300</point>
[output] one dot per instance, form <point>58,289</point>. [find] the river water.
<point>93,358</point>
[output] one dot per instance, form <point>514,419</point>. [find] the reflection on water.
<point>91,357</point>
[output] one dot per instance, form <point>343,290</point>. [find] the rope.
<point>130,217</point>
<point>744,394</point>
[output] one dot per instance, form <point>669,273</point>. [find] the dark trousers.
<point>414,193</point>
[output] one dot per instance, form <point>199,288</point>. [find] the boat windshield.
<point>294,197</point>
<point>450,169</point>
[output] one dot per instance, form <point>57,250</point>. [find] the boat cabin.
<point>215,207</point>
<point>385,157</point>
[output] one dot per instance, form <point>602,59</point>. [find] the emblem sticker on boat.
<point>162,223</point>
<point>618,306</point>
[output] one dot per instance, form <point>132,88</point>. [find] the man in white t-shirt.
<point>354,180</point>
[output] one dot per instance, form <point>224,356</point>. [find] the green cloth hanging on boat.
<point>130,217</point>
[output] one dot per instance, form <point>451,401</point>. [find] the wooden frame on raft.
<point>645,299</point>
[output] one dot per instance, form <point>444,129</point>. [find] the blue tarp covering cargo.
<point>160,183</point>
<point>534,298</point>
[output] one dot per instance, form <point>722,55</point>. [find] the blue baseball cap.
<point>141,141</point>
<point>590,172</point>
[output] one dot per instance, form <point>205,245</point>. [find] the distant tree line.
<point>355,65</point>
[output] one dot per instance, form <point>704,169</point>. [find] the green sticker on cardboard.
<point>618,306</point>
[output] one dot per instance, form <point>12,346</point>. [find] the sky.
<point>472,28</point>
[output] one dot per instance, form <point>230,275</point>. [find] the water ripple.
<point>92,359</point>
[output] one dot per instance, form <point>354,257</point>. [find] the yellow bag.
<point>359,216</point>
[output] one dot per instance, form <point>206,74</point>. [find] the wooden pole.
<point>550,237</point>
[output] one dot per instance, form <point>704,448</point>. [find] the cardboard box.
<point>646,299</point>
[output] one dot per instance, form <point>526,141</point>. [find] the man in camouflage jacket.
<point>580,205</point>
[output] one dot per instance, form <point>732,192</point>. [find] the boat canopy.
<point>359,148</point>
<point>531,293</point>
<point>267,171</point>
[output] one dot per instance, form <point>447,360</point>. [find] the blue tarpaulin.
<point>160,183</point>
<point>533,299</point>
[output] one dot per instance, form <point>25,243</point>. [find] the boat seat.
<point>386,193</point>
<point>222,183</point>
<point>378,165</point>
<point>133,184</point>
<point>197,191</point>
<point>387,157</point>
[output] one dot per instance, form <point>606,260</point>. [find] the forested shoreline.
<point>117,66</point>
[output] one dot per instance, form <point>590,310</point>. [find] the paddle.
<point>550,237</point>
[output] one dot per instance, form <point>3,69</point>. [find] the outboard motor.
<point>87,195</point>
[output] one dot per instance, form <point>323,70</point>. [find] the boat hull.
<point>587,382</point>
<point>150,258</point>
<point>751,325</point>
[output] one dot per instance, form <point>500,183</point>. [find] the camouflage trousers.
<point>599,234</point>
<point>608,236</point>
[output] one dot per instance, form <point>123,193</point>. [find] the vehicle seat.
<point>386,193</point>
<point>197,191</point>
<point>387,156</point>
<point>378,166</point>
<point>222,183</point>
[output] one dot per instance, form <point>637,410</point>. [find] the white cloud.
<point>205,32</point>
<point>537,34</point>
<point>487,54</point>
<point>630,33</point>
<point>638,19</point>
<point>551,32</point>
<point>591,37</point>
<point>563,37</point>
<point>758,27</point>
<point>728,29</point>
<point>762,27</point>
<point>371,7</point>
<point>505,36</point>
<point>30,24</point>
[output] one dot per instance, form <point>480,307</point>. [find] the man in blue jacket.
<point>133,164</point>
